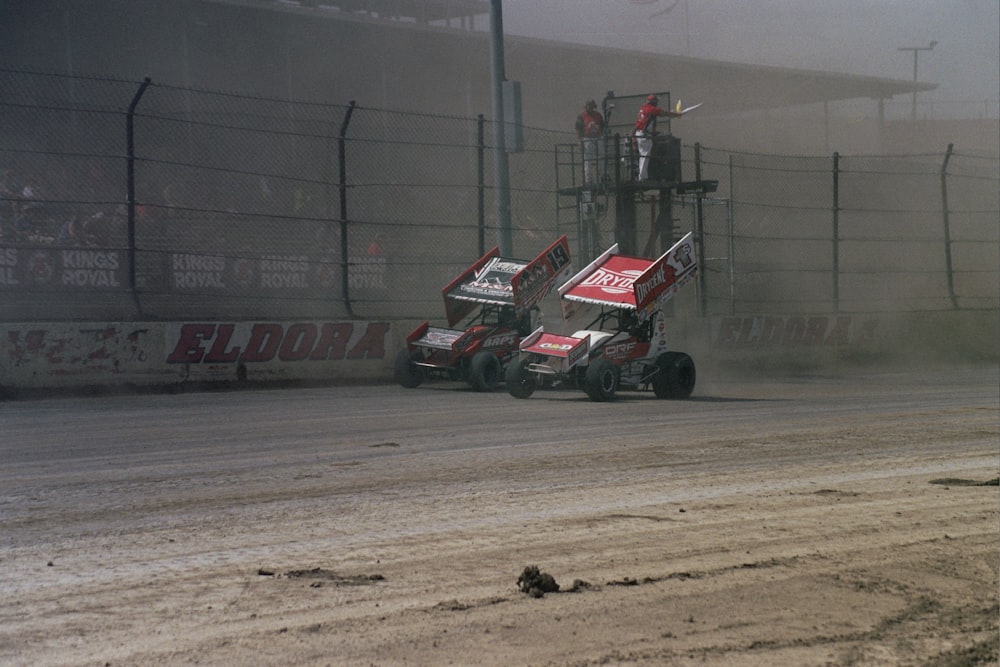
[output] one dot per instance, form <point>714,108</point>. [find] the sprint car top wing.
<point>631,282</point>
<point>496,280</point>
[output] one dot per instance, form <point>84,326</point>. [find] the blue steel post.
<point>130,185</point>
<point>481,182</point>
<point>342,165</point>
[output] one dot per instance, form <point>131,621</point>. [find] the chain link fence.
<point>852,234</point>
<point>138,200</point>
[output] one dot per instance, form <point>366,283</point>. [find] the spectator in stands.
<point>71,231</point>
<point>375,248</point>
<point>265,196</point>
<point>645,130</point>
<point>109,231</point>
<point>28,212</point>
<point>173,199</point>
<point>590,131</point>
<point>96,229</point>
<point>8,203</point>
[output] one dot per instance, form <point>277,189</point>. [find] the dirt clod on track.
<point>536,583</point>
<point>838,521</point>
<point>319,574</point>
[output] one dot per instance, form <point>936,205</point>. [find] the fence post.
<point>700,246</point>
<point>130,189</point>
<point>836,232</point>
<point>342,163</point>
<point>732,241</point>
<point>481,181</point>
<point>947,227</point>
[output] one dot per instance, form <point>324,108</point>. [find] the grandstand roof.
<point>723,86</point>
<point>420,11</point>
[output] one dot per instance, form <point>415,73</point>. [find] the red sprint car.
<point>625,346</point>
<point>496,298</point>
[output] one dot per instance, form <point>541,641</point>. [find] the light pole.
<point>916,50</point>
<point>501,174</point>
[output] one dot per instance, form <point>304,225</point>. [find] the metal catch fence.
<point>138,200</point>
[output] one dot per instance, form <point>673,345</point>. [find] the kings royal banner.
<point>34,268</point>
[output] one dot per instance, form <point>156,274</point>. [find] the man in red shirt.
<point>645,130</point>
<point>590,130</point>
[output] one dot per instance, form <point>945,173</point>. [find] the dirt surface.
<point>842,520</point>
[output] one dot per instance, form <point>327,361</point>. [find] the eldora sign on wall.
<point>793,330</point>
<point>256,342</point>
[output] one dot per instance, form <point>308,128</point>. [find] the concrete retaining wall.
<point>59,355</point>
<point>51,355</point>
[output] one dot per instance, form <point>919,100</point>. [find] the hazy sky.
<point>851,36</point>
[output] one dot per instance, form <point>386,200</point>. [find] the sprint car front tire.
<point>601,380</point>
<point>407,373</point>
<point>675,377</point>
<point>521,382</point>
<point>484,371</point>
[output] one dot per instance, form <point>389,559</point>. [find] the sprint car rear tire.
<point>407,373</point>
<point>676,376</point>
<point>521,382</point>
<point>484,371</point>
<point>601,380</point>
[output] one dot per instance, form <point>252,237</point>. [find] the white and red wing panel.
<point>502,281</point>
<point>554,345</point>
<point>666,275</point>
<point>632,282</point>
<point>486,281</point>
<point>438,338</point>
<point>569,349</point>
<point>608,282</point>
<point>535,280</point>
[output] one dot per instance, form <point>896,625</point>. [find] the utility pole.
<point>916,50</point>
<point>501,176</point>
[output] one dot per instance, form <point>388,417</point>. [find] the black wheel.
<point>405,371</point>
<point>521,382</point>
<point>601,380</point>
<point>484,371</point>
<point>675,375</point>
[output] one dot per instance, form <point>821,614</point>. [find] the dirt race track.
<point>839,520</point>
